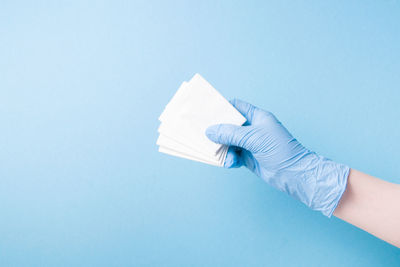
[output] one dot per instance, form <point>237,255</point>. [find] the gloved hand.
<point>265,147</point>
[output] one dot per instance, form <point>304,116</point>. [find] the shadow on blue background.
<point>82,84</point>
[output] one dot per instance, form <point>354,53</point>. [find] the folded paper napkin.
<point>194,107</point>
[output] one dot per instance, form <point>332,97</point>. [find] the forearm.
<point>372,205</point>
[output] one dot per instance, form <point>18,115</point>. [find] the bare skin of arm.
<point>372,205</point>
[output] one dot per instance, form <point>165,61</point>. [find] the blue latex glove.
<point>265,147</point>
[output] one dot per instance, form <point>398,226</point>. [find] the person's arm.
<point>267,148</point>
<point>372,205</point>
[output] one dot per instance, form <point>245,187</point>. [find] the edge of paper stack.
<point>194,107</point>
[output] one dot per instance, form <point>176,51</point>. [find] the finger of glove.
<point>247,159</point>
<point>228,134</point>
<point>233,159</point>
<point>253,114</point>
<point>246,109</point>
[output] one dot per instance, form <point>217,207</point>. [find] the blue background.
<point>82,85</point>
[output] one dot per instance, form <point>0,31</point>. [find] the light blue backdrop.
<point>81,87</point>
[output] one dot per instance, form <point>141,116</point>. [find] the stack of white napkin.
<point>195,106</point>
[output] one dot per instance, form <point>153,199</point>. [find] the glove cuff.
<point>330,184</point>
